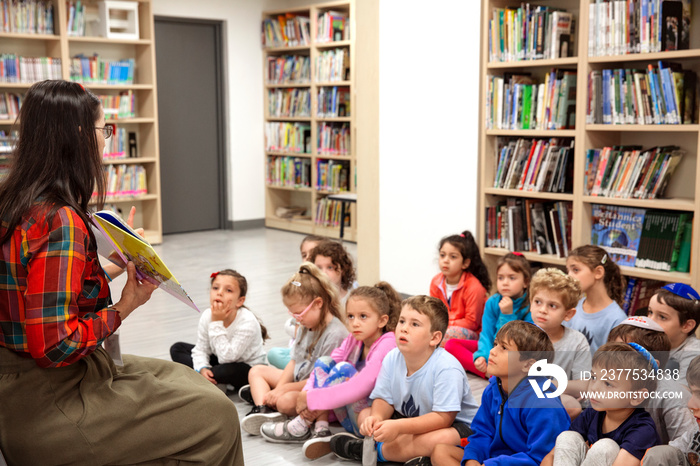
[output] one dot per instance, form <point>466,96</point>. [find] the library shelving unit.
<point>145,122</point>
<point>314,154</point>
<point>683,193</point>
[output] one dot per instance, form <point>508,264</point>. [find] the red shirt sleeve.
<point>66,294</point>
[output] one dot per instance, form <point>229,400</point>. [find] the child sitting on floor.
<point>333,259</point>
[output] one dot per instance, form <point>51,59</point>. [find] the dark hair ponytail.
<point>593,256</point>
<point>466,244</point>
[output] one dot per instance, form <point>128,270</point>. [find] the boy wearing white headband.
<point>676,308</point>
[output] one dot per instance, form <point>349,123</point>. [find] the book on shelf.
<point>516,101</point>
<point>661,94</point>
<point>288,137</point>
<point>333,65</point>
<point>76,18</point>
<point>125,181</point>
<point>291,102</point>
<point>27,16</point>
<point>115,237</point>
<point>133,146</point>
<point>19,69</point>
<point>287,30</point>
<point>288,69</point>
<point>629,171</point>
<point>530,32</point>
<point>329,213</point>
<point>292,172</point>
<point>333,139</point>
<point>332,26</point>
<point>333,102</point>
<point>665,235</point>
<point>117,147</point>
<point>9,105</point>
<point>618,230</point>
<point>539,165</point>
<point>97,70</point>
<point>332,175</point>
<point>638,293</point>
<point>118,106</point>
<point>638,26</point>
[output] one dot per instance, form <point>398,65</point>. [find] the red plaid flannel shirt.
<point>53,292</point>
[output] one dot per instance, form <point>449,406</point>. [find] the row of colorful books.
<point>16,69</point>
<point>101,71</point>
<point>530,32</point>
<point>629,171</point>
<point>291,172</point>
<point>76,18</point>
<point>7,145</point>
<point>663,95</point>
<point>27,16</point>
<point>530,225</point>
<point>542,165</point>
<point>618,27</point>
<point>515,101</point>
<point>119,106</point>
<point>333,139</point>
<point>643,238</point>
<point>125,180</point>
<point>288,69</point>
<point>288,30</point>
<point>332,175</point>
<point>333,65</point>
<point>328,213</point>
<point>292,102</point>
<point>9,105</point>
<point>288,137</point>
<point>333,102</point>
<point>332,26</point>
<point>121,145</point>
<point>638,293</point>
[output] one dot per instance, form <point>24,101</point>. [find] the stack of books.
<point>328,213</point>
<point>288,69</point>
<point>27,16</point>
<point>332,65</point>
<point>290,172</point>
<point>119,106</point>
<point>542,165</point>
<point>288,137</point>
<point>515,101</point>
<point>333,102</point>
<point>125,180</point>
<point>530,32</point>
<point>333,139</point>
<point>100,71</point>
<point>651,239</point>
<point>530,225</point>
<point>16,69</point>
<point>629,171</point>
<point>332,176</point>
<point>294,102</point>
<point>657,95</point>
<point>332,26</point>
<point>288,30</point>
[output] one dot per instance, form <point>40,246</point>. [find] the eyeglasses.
<point>301,314</point>
<point>107,131</point>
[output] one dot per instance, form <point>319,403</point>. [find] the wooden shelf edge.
<point>532,63</point>
<point>549,133</point>
<point>645,128</point>
<point>670,55</point>
<point>667,204</point>
<point>530,194</point>
<point>530,256</point>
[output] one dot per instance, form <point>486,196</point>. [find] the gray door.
<point>189,64</point>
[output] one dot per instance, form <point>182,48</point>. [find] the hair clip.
<point>516,253</point>
<point>647,355</point>
<point>213,275</point>
<point>462,235</point>
<point>296,283</point>
<point>83,87</point>
<point>604,259</point>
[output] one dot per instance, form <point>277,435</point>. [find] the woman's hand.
<point>134,294</point>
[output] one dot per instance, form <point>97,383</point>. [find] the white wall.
<point>243,56</point>
<point>428,87</point>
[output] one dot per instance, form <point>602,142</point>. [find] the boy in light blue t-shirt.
<point>421,397</point>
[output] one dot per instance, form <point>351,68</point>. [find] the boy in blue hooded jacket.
<point>520,414</point>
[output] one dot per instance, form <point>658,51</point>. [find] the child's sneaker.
<point>346,446</point>
<point>319,445</point>
<point>258,416</point>
<point>245,395</point>
<point>277,432</point>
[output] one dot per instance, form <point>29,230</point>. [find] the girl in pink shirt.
<point>343,382</point>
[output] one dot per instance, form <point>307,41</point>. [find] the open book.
<point>115,236</point>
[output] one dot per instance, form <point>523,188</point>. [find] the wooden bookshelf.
<point>144,124</point>
<point>683,193</point>
<point>308,197</point>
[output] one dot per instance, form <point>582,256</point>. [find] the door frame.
<point>222,142</point>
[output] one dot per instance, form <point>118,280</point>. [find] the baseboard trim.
<point>245,224</point>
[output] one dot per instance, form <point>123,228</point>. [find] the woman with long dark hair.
<point>62,398</point>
